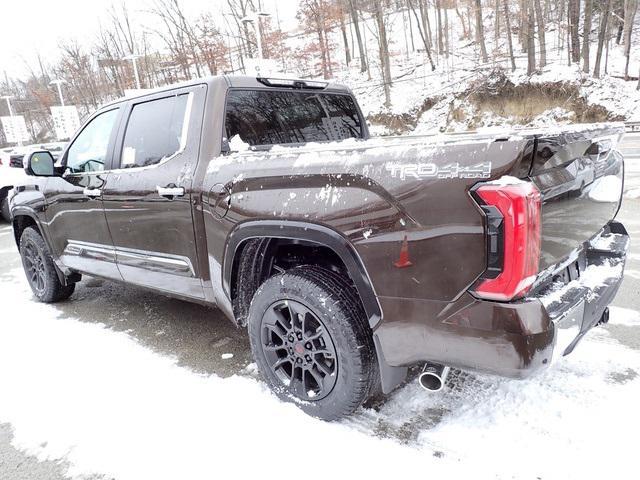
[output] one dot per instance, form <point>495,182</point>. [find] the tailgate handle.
<point>92,192</point>
<point>170,191</point>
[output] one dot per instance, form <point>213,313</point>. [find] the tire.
<point>335,363</point>
<point>40,270</point>
<point>4,209</point>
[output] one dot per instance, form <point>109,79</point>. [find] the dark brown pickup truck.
<point>348,258</point>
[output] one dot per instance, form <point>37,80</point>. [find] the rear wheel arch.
<point>257,239</point>
<point>260,241</point>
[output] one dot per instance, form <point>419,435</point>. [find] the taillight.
<point>514,243</point>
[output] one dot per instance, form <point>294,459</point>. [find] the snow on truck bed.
<point>311,153</point>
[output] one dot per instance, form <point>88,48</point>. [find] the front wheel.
<point>312,342</point>
<point>40,269</point>
<point>4,208</point>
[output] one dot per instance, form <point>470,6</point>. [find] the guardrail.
<point>632,126</point>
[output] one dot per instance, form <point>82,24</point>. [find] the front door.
<point>147,199</point>
<point>75,215</point>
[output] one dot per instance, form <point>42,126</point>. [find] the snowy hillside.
<point>463,93</point>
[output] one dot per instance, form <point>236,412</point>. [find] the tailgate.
<point>580,176</point>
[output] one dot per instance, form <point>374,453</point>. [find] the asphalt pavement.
<point>198,336</point>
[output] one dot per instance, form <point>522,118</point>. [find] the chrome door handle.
<point>92,192</point>
<point>170,192</point>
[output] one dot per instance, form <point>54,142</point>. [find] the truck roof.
<point>238,81</point>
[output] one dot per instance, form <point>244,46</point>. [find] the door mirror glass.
<point>39,164</point>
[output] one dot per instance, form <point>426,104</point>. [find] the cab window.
<point>88,152</point>
<point>156,130</point>
<point>264,117</point>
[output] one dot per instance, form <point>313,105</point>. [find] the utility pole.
<point>134,59</point>
<point>255,19</point>
<point>58,84</point>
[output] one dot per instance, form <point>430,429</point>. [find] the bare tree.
<point>531,44</point>
<point>604,20</point>
<point>588,11</point>
<point>465,30</point>
<point>439,27</point>
<point>496,25</point>
<point>541,36</point>
<point>314,13</point>
<point>630,8</point>
<point>574,32</point>
<point>383,50</point>
<point>480,31</point>
<point>343,29</point>
<point>356,26</point>
<point>423,33</point>
<point>507,23</point>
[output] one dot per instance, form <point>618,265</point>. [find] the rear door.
<point>148,197</point>
<point>75,214</point>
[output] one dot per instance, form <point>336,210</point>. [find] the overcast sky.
<point>29,27</point>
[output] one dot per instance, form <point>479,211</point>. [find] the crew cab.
<point>348,259</point>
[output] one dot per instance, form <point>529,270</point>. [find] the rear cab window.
<point>156,130</point>
<point>268,117</point>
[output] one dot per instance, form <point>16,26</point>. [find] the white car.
<point>11,171</point>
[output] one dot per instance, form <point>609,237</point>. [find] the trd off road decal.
<point>431,170</point>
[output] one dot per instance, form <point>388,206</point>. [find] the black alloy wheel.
<point>34,267</point>
<point>312,342</point>
<point>40,269</point>
<point>299,350</point>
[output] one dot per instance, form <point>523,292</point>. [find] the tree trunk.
<point>323,52</point>
<point>356,26</point>
<point>541,38</point>
<point>345,39</point>
<point>383,49</point>
<point>507,23</point>
<point>588,10</point>
<point>446,33</point>
<point>522,30</point>
<point>496,25</point>
<point>574,22</point>
<point>604,19</point>
<point>422,35</point>
<point>426,22</point>
<point>465,32</point>
<point>480,31</point>
<point>531,44</point>
<point>630,8</point>
<point>439,26</point>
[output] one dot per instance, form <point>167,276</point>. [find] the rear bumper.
<point>510,339</point>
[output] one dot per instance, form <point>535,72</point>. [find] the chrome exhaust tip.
<point>433,377</point>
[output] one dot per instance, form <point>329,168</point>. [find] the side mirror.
<point>39,163</point>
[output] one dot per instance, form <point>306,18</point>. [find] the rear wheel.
<point>312,343</point>
<point>40,269</point>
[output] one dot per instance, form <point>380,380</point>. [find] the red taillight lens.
<point>519,204</point>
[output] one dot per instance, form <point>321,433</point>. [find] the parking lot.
<point>570,418</point>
